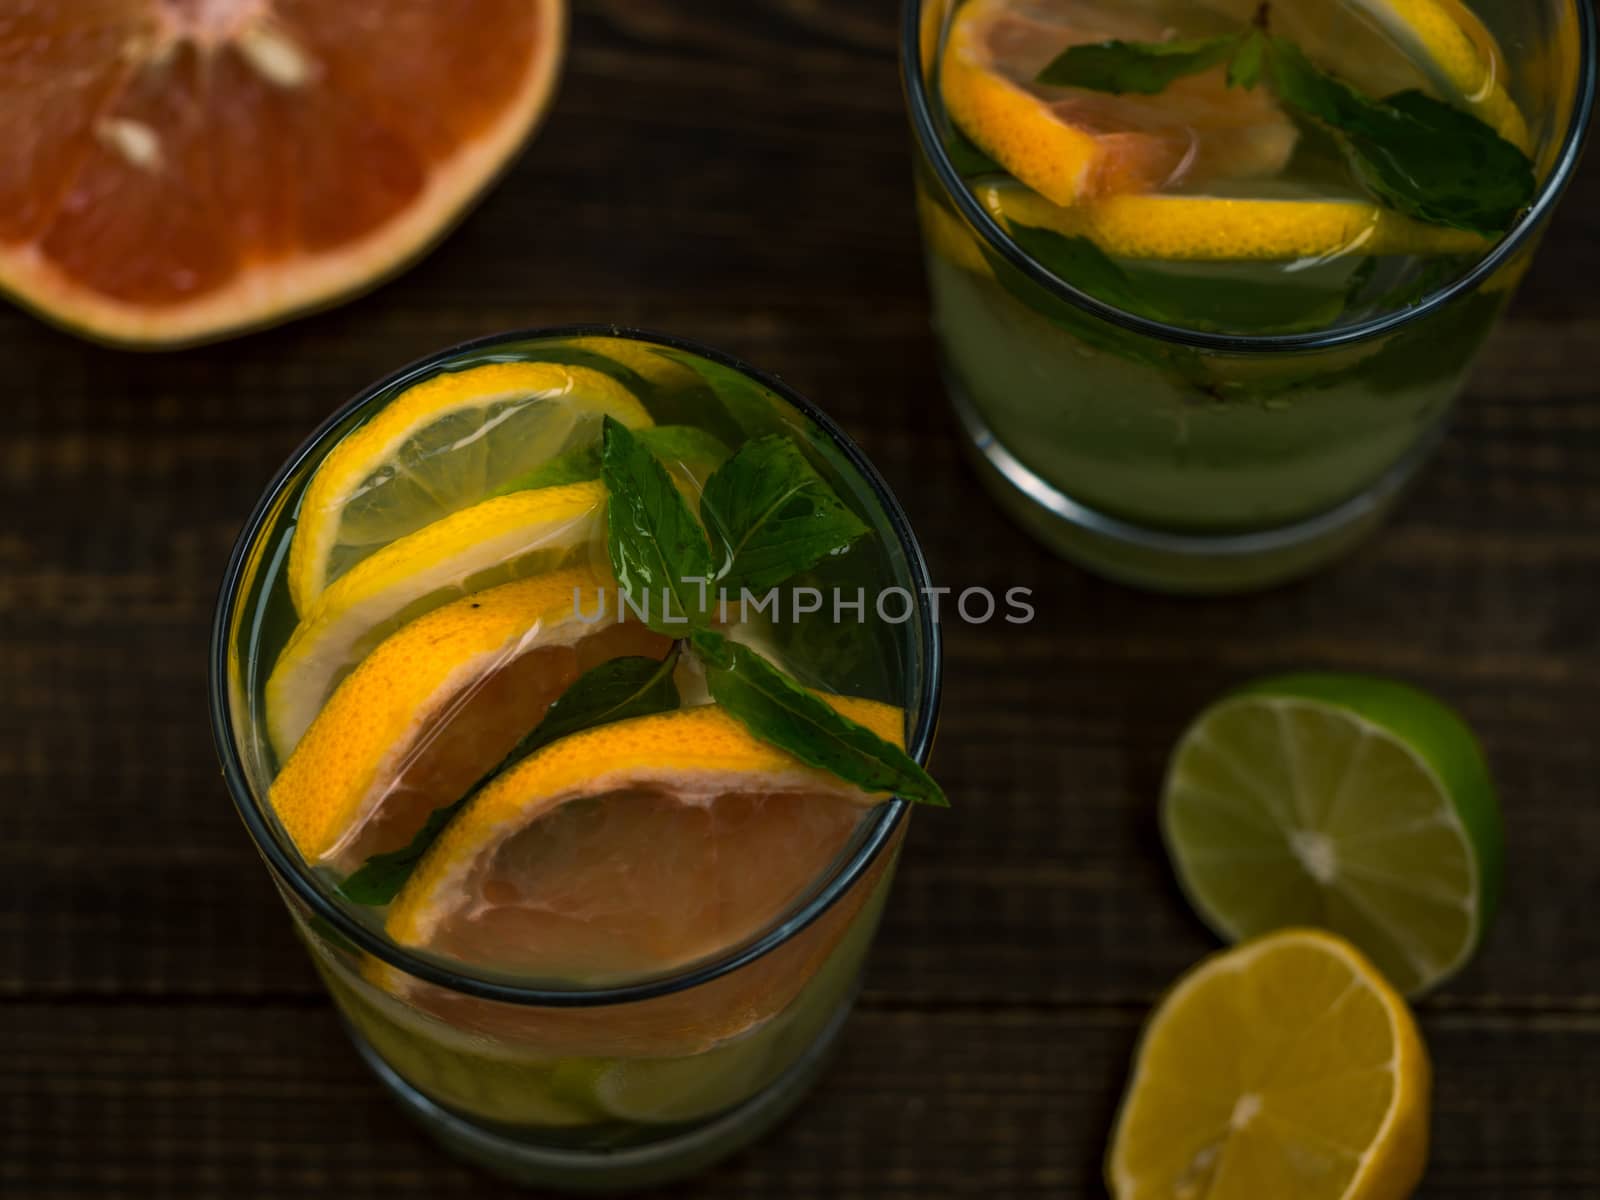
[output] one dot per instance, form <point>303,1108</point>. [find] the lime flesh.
<point>1356,805</point>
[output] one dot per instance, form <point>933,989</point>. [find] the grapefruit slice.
<point>514,537</point>
<point>632,849</point>
<point>1072,144</point>
<point>178,170</point>
<point>438,705</point>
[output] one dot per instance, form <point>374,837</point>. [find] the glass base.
<point>1163,561</point>
<point>675,1156</point>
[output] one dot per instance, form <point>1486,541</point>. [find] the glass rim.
<point>291,870</point>
<point>919,106</point>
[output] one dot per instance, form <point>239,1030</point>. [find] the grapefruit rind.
<point>268,294</point>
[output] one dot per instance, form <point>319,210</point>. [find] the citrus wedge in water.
<point>438,705</point>
<point>440,446</point>
<point>1072,144</point>
<point>1287,1067</point>
<point>1356,805</point>
<point>179,170</point>
<point>1227,228</point>
<point>498,541</point>
<point>632,848</point>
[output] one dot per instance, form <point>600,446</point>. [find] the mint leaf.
<point>1245,69</point>
<point>965,156</point>
<point>1419,155</point>
<point>1084,265</point>
<point>776,709</point>
<point>613,691</point>
<point>657,547</point>
<point>771,516</point>
<point>1145,67</point>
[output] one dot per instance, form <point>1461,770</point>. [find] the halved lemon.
<point>1287,1067</point>
<point>438,447</point>
<point>632,848</point>
<point>1072,144</point>
<point>513,537</point>
<point>177,171</point>
<point>439,704</point>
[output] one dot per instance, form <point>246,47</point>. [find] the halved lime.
<point>1352,804</point>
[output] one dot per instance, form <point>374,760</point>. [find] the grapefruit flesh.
<point>639,879</point>
<point>180,169</point>
<point>479,727</point>
<point>1071,144</point>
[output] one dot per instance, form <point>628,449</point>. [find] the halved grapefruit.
<point>178,170</point>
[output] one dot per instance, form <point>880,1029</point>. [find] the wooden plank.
<point>129,1100</point>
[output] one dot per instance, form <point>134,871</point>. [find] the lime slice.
<point>439,447</point>
<point>1356,805</point>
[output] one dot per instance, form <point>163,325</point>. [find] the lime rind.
<point>1257,847</point>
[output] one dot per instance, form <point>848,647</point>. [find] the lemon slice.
<point>1071,144</point>
<point>720,834</point>
<point>1287,1067</point>
<point>439,447</point>
<point>495,542</point>
<point>1187,228</point>
<point>437,705</point>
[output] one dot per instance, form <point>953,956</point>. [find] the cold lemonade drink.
<point>1208,275</point>
<point>585,820</point>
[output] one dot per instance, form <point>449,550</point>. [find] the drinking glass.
<point>653,1077</point>
<point>1192,461</point>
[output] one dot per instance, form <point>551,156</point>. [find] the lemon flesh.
<point>441,446</point>
<point>1287,1067</point>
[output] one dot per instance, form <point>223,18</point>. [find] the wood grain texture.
<point>738,173</point>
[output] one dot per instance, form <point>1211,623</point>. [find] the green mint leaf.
<point>771,516</point>
<point>1145,67</point>
<point>657,548</point>
<point>1419,155</point>
<point>776,709</point>
<point>1245,69</point>
<point>613,691</point>
<point>1084,265</point>
<point>965,156</point>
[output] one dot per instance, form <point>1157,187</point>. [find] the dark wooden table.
<point>738,173</point>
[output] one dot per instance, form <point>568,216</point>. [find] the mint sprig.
<point>613,691</point>
<point>771,516</point>
<point>1418,155</point>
